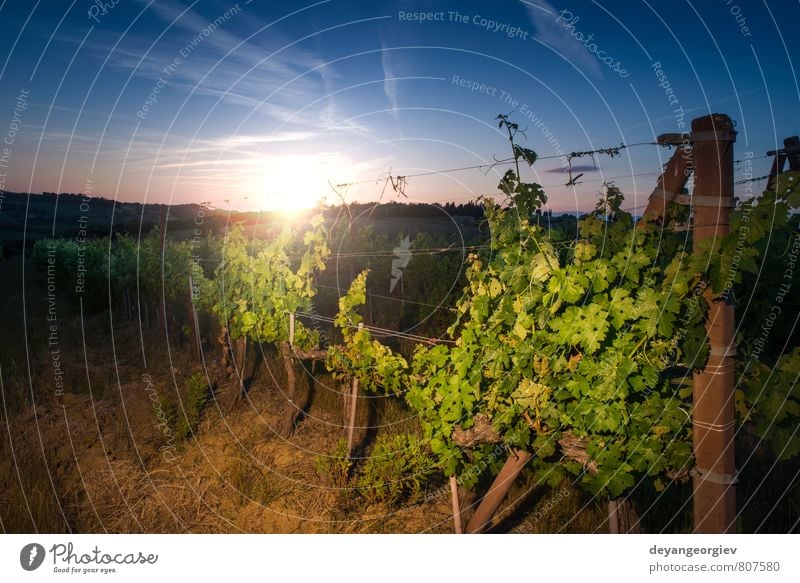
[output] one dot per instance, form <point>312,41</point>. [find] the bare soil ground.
<point>113,469</point>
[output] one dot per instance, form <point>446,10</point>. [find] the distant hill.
<point>35,216</point>
<point>25,217</point>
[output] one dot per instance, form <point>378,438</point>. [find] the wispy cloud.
<point>258,70</point>
<point>245,140</point>
<point>699,108</point>
<point>224,41</point>
<point>555,35</point>
<point>389,81</point>
<point>576,168</point>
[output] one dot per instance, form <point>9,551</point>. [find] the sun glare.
<point>297,183</point>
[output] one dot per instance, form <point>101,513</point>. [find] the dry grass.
<point>27,502</point>
<point>127,499</point>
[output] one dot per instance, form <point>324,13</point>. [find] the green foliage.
<point>580,336</point>
<point>397,470</point>
<point>335,468</point>
<point>431,285</point>
<point>164,276</point>
<point>194,403</point>
<point>554,337</point>
<point>376,366</point>
<point>259,283</point>
<point>768,401</point>
<point>91,269</point>
<point>84,270</point>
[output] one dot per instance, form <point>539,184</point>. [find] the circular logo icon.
<point>31,556</point>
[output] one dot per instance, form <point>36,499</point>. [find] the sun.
<point>292,184</point>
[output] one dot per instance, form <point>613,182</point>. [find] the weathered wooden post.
<point>287,349</point>
<point>351,423</point>
<point>353,404</point>
<point>790,152</point>
<point>777,167</point>
<point>622,517</point>
<point>456,506</point>
<point>497,491</point>
<point>672,180</point>
<point>791,148</point>
<point>713,418</point>
<point>162,244</point>
<point>193,323</point>
<point>613,516</point>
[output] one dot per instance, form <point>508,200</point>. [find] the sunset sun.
<point>295,183</point>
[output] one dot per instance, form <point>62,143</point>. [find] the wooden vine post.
<point>193,323</point>
<point>456,508</point>
<point>791,146</point>
<point>790,152</point>
<point>162,244</point>
<point>777,167</point>
<point>289,353</point>
<point>672,180</point>
<point>351,426</point>
<point>287,425</point>
<point>497,491</point>
<point>351,423</point>
<point>622,517</point>
<point>714,494</point>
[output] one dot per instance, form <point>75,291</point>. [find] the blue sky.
<point>268,102</point>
